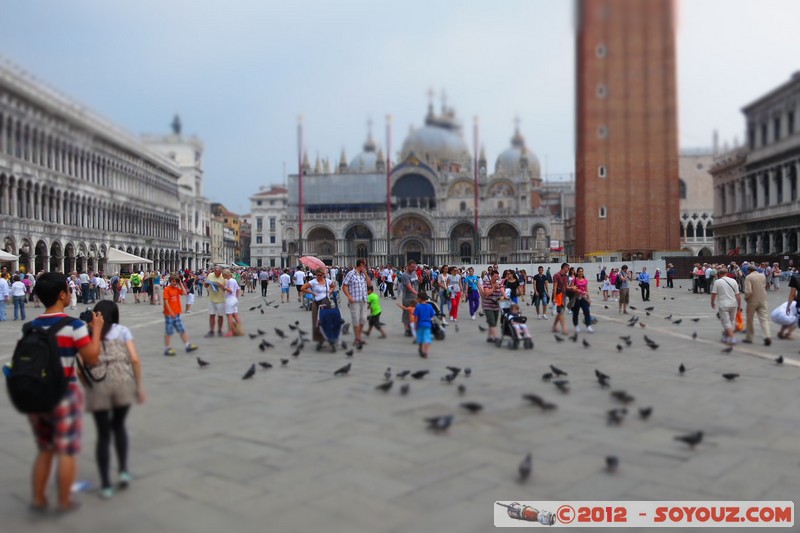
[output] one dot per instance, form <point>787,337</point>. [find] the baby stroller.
<point>437,330</point>
<point>329,322</point>
<point>308,299</point>
<point>507,330</point>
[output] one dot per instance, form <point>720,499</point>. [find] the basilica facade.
<point>429,215</point>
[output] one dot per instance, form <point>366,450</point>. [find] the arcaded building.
<point>627,188</point>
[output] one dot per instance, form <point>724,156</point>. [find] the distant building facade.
<point>696,192</point>
<point>756,205</point>
<point>233,222</point>
<point>268,208</point>
<point>627,129</point>
<point>73,185</point>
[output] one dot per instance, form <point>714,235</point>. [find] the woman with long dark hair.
<point>114,383</point>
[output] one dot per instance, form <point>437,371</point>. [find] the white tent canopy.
<point>118,257</point>
<point>6,257</point>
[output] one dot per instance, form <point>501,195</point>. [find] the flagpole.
<point>300,184</point>
<point>388,188</point>
<point>475,186</point>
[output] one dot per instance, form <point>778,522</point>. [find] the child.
<point>172,315</point>
<point>517,322</point>
<point>374,303</point>
<point>424,313</point>
<point>190,290</point>
<point>58,433</point>
<point>412,320</point>
<point>231,301</point>
<point>123,289</point>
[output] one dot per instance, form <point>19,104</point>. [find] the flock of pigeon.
<point>556,376</point>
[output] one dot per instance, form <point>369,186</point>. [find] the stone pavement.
<point>296,449</point>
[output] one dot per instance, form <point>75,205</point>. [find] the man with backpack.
<point>54,405</point>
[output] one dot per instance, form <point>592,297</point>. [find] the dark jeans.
<point>19,304</point>
<point>669,283</point>
<point>581,303</point>
<point>645,291</point>
<point>474,299</point>
<point>85,292</point>
<point>264,285</point>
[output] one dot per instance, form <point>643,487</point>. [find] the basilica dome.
<point>438,140</point>
<point>366,161</point>
<point>510,161</point>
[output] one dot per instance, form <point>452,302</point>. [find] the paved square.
<point>297,449</point>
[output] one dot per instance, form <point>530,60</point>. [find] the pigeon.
<point>252,336</point>
<point>653,345</point>
<point>601,375</point>
<point>603,381</point>
<point>730,376</point>
<point>261,332</point>
<point>481,328</point>
<point>619,347</point>
<point>586,344</point>
<point>692,439</point>
<point>622,396</point>
<point>468,371</point>
<point>729,349</point>
<point>405,388</point>
<point>295,342</point>
<point>346,329</point>
<point>642,325</point>
<point>454,369</point>
<point>645,412</point>
<point>250,372</point>
<point>297,351</point>
<point>534,399</point>
<point>387,375</point>
<point>419,374</point>
<point>343,371</point>
<point>779,360</point>
<point>649,308</point>
<point>547,376</point>
<point>558,339</point>
<point>253,308</point>
<point>462,389</point>
<point>668,317</point>
<point>557,371</point>
<point>562,385</point>
<point>449,378</point>
<point>439,423</point>
<point>344,345</point>
<point>403,374</point>
<point>612,463</point>
<point>349,353</point>
<point>626,339</point>
<point>265,365</point>
<point>616,416</point>
<point>301,332</point>
<point>385,386</point>
<point>647,339</point>
<point>472,407</point>
<point>292,327</point>
<point>547,406</point>
<point>632,307</point>
<point>525,467</point>
<point>262,347</point>
<point>574,338</point>
<point>676,322</point>
<point>262,311</point>
<point>284,362</point>
<point>694,336</point>
<point>202,363</point>
<point>694,319</point>
<point>275,306</point>
<point>647,313</point>
<point>681,369</point>
<point>480,313</point>
<point>280,333</point>
<point>456,326</point>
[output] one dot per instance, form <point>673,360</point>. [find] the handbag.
<point>739,320</point>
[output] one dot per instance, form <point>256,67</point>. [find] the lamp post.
<point>300,185</point>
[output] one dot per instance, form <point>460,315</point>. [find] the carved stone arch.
<point>501,188</point>
<point>56,256</point>
<point>461,188</point>
<point>504,239</point>
<point>540,237</point>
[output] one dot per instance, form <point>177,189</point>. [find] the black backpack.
<point>36,382</point>
<point>618,282</point>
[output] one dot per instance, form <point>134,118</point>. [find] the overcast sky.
<point>239,72</point>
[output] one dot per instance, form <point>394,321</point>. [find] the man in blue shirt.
<point>644,284</point>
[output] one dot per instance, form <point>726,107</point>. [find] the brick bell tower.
<point>627,196</point>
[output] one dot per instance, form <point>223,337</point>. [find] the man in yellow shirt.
<point>215,286</point>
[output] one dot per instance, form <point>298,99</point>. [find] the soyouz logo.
<point>682,514</point>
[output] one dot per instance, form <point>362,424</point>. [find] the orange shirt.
<point>172,298</point>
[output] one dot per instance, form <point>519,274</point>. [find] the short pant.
<point>285,290</point>
<point>624,296</point>
<point>424,335</point>
<point>60,429</point>
<point>359,312</point>
<point>172,324</point>
<point>232,308</point>
<point>216,308</point>
<point>491,317</point>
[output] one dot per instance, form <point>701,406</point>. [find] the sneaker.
<point>220,334</point>
<point>590,329</point>
<point>169,351</point>
<point>472,317</point>
<point>107,493</point>
<point>577,329</point>
<point>767,342</point>
<point>209,334</point>
<point>124,480</point>
<point>408,333</point>
<point>189,348</point>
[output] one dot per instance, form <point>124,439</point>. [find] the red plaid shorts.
<point>60,429</point>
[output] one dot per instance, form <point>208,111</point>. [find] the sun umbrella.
<point>312,262</point>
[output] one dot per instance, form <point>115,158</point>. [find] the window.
<point>602,92</point>
<point>764,134</point>
<point>258,202</point>
<point>602,132</point>
<point>258,262</point>
<point>462,206</point>
<point>601,50</point>
<point>601,171</point>
<point>776,127</point>
<point>259,223</point>
<point>790,122</point>
<point>258,239</point>
<point>272,261</point>
<point>602,213</point>
<point>682,189</point>
<point>272,202</point>
<point>272,223</point>
<point>272,239</point>
<point>751,137</point>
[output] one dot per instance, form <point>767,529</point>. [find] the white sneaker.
<point>473,317</point>
<point>590,329</point>
<point>577,329</point>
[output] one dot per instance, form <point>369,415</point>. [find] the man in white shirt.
<point>285,280</point>
<point>388,278</point>
<point>4,293</point>
<point>725,294</point>
<point>299,281</point>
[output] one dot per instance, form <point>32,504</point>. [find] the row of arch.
<point>68,256</point>
<point>697,228</point>
<point>28,199</point>
<point>119,171</point>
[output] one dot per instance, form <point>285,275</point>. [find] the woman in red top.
<point>582,301</point>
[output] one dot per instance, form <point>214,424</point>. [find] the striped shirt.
<point>357,285</point>
<point>70,339</point>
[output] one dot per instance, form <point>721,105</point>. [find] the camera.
<point>87,315</point>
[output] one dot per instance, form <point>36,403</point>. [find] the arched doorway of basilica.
<point>414,190</point>
<point>412,238</point>
<point>358,243</point>
<point>40,257</point>
<point>462,241</point>
<point>321,242</point>
<point>503,243</point>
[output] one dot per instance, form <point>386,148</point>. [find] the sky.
<point>241,72</point>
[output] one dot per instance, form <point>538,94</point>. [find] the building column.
<point>786,183</point>
<point>770,243</point>
<point>771,179</point>
<point>785,239</point>
<point>759,244</point>
<point>756,201</point>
